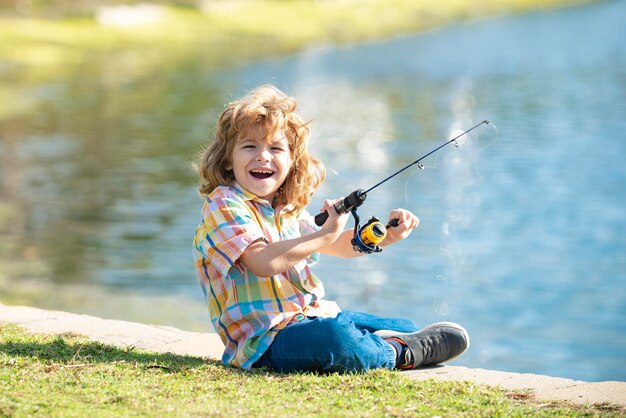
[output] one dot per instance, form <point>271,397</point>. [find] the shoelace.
<point>431,348</point>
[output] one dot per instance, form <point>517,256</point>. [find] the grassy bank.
<point>233,30</point>
<point>70,376</point>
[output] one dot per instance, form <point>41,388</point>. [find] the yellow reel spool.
<point>373,233</point>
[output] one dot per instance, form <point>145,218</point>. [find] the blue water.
<point>523,230</point>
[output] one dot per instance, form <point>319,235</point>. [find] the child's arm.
<point>266,260</point>
<point>342,246</point>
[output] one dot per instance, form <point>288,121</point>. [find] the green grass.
<point>71,376</point>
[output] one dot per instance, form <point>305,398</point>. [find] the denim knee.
<point>327,345</point>
<point>347,348</point>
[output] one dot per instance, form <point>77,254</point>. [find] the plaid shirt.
<point>247,311</point>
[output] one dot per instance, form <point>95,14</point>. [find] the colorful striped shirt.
<point>247,311</point>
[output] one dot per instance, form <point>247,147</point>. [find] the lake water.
<point>523,228</point>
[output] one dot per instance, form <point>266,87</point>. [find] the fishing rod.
<point>366,239</point>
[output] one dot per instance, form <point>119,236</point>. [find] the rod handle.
<point>345,205</point>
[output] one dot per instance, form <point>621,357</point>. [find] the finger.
<point>326,205</point>
<point>411,221</point>
<point>405,218</point>
<point>331,204</point>
<point>399,214</point>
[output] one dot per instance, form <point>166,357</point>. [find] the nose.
<point>263,154</point>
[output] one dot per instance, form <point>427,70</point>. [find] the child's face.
<point>261,164</point>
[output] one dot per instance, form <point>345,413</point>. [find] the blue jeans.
<point>340,344</point>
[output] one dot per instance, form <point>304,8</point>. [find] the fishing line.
<point>408,181</point>
<point>440,305</point>
<point>406,188</point>
<point>457,216</point>
<point>495,139</point>
<point>436,162</point>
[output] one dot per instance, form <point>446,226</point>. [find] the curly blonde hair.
<point>272,110</point>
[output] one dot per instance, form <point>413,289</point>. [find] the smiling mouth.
<point>261,174</point>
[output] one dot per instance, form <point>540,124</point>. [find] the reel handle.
<point>394,222</point>
<point>353,200</point>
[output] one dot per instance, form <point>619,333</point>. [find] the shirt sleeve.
<point>307,225</point>
<point>229,227</point>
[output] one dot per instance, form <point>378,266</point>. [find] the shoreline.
<point>164,339</point>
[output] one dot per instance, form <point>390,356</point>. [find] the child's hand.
<point>407,222</point>
<point>336,222</point>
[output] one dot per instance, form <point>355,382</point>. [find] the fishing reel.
<point>366,238</point>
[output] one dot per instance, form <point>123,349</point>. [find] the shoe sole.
<point>386,333</point>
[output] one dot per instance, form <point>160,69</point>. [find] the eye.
<point>277,149</point>
<point>248,146</point>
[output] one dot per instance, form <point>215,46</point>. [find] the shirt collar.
<point>246,195</point>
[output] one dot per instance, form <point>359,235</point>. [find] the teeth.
<point>262,171</point>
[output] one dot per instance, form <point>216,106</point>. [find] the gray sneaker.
<point>434,344</point>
